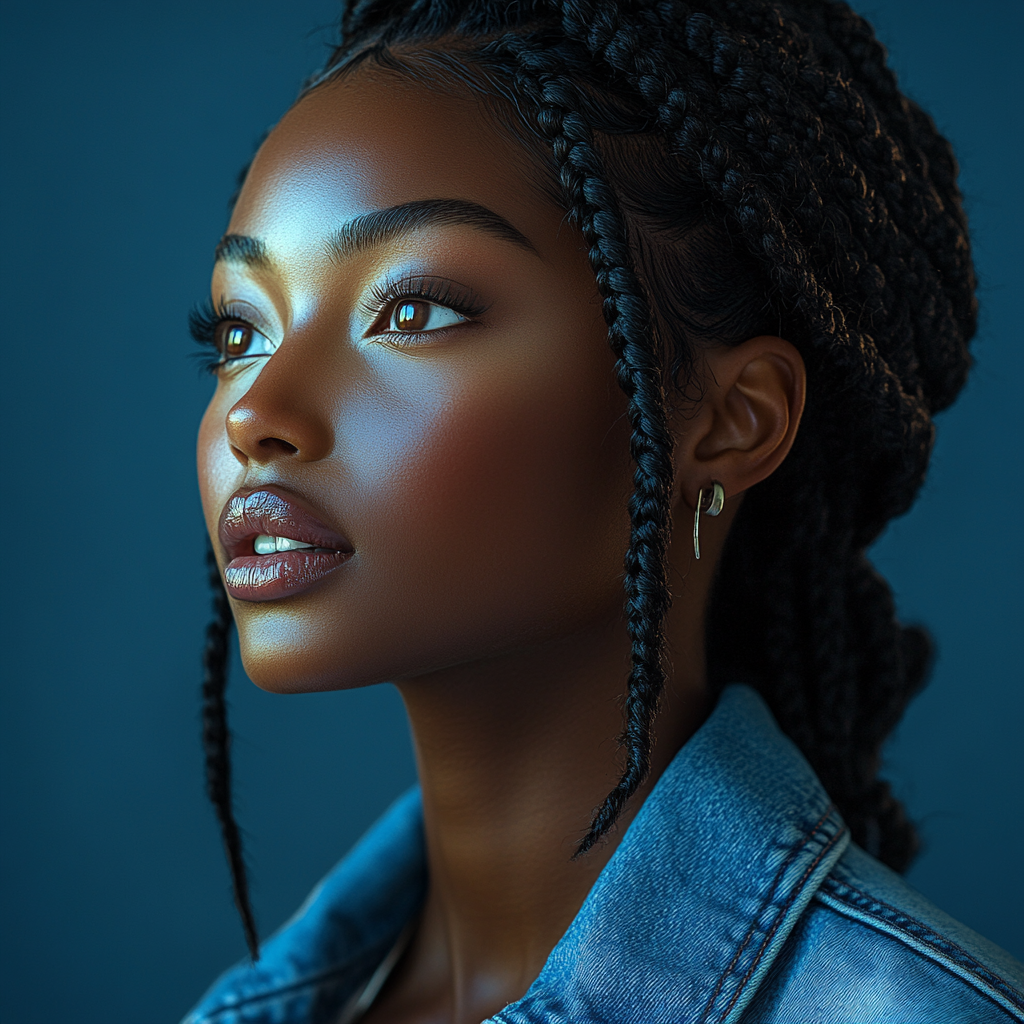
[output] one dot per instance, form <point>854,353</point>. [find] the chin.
<point>285,654</point>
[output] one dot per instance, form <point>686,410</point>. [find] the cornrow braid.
<point>217,743</point>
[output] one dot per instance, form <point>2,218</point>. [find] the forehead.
<point>374,140</point>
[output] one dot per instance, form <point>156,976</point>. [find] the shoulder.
<point>871,948</point>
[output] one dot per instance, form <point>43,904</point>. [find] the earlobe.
<point>747,420</point>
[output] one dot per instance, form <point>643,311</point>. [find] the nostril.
<point>279,445</point>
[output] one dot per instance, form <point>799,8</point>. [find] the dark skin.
<point>481,470</point>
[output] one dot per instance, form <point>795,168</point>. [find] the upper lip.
<point>250,513</point>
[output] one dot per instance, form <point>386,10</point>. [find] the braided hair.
<point>216,746</point>
<point>739,167</point>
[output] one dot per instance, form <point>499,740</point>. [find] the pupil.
<point>236,340</point>
<point>411,316</point>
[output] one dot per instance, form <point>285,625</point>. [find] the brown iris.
<point>412,316</point>
<point>235,339</point>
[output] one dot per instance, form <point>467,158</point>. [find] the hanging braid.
<point>739,167</point>
<point>594,208</point>
<point>216,746</point>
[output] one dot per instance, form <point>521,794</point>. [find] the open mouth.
<point>275,547</point>
<point>264,544</point>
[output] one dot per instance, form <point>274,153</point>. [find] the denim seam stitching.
<point>776,881</point>
<point>780,917</point>
<point>937,942</point>
<point>765,903</point>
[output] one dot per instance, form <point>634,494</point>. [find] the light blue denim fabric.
<point>734,895</point>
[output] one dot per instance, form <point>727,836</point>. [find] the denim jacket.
<point>735,895</point>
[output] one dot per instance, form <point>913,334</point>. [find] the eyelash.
<point>206,318</point>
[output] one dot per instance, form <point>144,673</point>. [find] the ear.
<point>745,424</point>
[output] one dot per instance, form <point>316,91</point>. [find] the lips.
<point>264,514</point>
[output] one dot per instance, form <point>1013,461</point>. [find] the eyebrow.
<point>241,249</point>
<point>380,226</point>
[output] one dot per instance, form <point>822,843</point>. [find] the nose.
<point>281,415</point>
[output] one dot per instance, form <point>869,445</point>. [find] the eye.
<point>228,331</point>
<point>406,312</point>
<point>414,316</point>
<point>237,340</point>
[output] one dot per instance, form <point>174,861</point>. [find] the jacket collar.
<point>682,924</point>
<point>707,882</point>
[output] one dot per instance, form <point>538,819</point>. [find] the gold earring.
<point>710,501</point>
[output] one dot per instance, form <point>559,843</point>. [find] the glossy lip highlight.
<point>252,577</point>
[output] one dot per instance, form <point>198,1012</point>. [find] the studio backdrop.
<point>124,127</point>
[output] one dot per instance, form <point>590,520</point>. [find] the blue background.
<point>124,125</point>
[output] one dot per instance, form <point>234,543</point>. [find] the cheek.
<point>502,508</point>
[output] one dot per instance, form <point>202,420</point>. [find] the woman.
<point>424,461</point>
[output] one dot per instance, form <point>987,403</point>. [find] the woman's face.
<point>425,405</point>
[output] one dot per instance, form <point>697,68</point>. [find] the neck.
<point>514,755</point>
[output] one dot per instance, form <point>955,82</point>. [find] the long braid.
<point>594,208</point>
<point>216,746</point>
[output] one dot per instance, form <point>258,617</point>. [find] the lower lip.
<point>271,577</point>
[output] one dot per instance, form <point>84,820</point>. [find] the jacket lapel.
<point>348,923</point>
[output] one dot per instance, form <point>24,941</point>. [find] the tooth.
<point>287,544</point>
<point>265,545</point>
